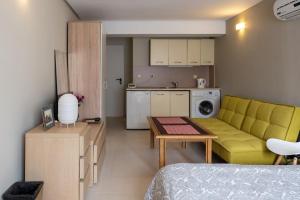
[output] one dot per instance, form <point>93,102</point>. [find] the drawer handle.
<point>179,94</point>
<point>177,62</point>
<point>194,62</point>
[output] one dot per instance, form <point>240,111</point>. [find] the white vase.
<point>67,109</point>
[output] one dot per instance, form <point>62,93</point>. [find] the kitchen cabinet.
<point>182,52</point>
<point>159,52</point>
<point>138,109</point>
<point>207,52</point>
<point>180,103</point>
<point>160,103</point>
<point>142,104</point>
<point>64,158</point>
<point>194,52</point>
<point>177,52</point>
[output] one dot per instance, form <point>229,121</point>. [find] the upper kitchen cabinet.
<point>85,65</point>
<point>182,52</point>
<point>194,52</point>
<point>178,52</point>
<point>159,52</point>
<point>207,52</point>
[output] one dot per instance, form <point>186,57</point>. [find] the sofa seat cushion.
<point>233,111</point>
<point>239,142</point>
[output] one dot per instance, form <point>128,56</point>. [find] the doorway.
<point>119,74</point>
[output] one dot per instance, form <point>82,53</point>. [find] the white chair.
<point>284,148</point>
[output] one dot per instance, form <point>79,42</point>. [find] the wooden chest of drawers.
<point>64,158</point>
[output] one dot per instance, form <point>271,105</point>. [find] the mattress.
<point>222,181</point>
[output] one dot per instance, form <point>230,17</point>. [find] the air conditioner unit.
<point>287,9</point>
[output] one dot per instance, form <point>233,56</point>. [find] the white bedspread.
<point>234,182</point>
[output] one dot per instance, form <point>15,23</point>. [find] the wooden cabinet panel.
<point>98,165</point>
<point>84,164</point>
<point>53,156</point>
<point>180,103</point>
<point>177,52</point>
<point>84,141</point>
<point>207,52</point>
<point>84,184</point>
<point>98,146</point>
<point>160,103</point>
<point>194,52</point>
<point>84,46</point>
<point>159,52</point>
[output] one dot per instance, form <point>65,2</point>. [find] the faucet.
<point>175,84</point>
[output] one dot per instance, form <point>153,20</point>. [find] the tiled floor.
<point>130,164</point>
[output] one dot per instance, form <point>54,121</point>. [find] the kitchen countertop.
<point>164,89</point>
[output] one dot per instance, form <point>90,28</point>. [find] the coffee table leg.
<point>162,153</point>
<point>183,145</point>
<point>151,139</point>
<point>208,144</point>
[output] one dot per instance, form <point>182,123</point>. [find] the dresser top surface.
<point>59,129</point>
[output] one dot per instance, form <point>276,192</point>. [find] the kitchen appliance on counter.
<point>201,83</point>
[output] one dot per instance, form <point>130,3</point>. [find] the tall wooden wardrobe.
<point>85,65</point>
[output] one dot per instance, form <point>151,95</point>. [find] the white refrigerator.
<point>138,109</point>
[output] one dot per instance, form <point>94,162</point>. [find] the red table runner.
<point>177,126</point>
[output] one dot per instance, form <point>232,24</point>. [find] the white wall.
<point>167,27</point>
<point>30,31</point>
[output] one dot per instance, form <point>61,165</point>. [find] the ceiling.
<point>160,9</point>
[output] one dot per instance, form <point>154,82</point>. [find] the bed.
<point>222,181</point>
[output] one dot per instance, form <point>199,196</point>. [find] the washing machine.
<point>205,103</point>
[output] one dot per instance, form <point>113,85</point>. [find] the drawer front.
<point>84,184</point>
<point>84,141</point>
<point>85,163</point>
<point>99,144</point>
<point>97,167</point>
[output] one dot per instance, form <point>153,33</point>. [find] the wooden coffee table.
<point>178,129</point>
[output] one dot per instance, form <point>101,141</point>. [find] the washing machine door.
<point>206,108</point>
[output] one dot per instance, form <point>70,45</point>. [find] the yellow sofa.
<point>244,125</point>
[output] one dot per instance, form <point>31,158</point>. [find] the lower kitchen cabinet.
<point>64,158</point>
<point>179,103</point>
<point>160,103</point>
<point>142,104</point>
<point>138,109</point>
<point>170,103</point>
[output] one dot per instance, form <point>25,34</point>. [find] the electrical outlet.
<point>139,76</point>
<point>195,76</point>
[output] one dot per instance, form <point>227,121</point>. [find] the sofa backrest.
<point>265,120</point>
<point>233,110</point>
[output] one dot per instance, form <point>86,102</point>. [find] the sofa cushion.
<point>233,110</point>
<point>265,120</point>
<point>239,141</point>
